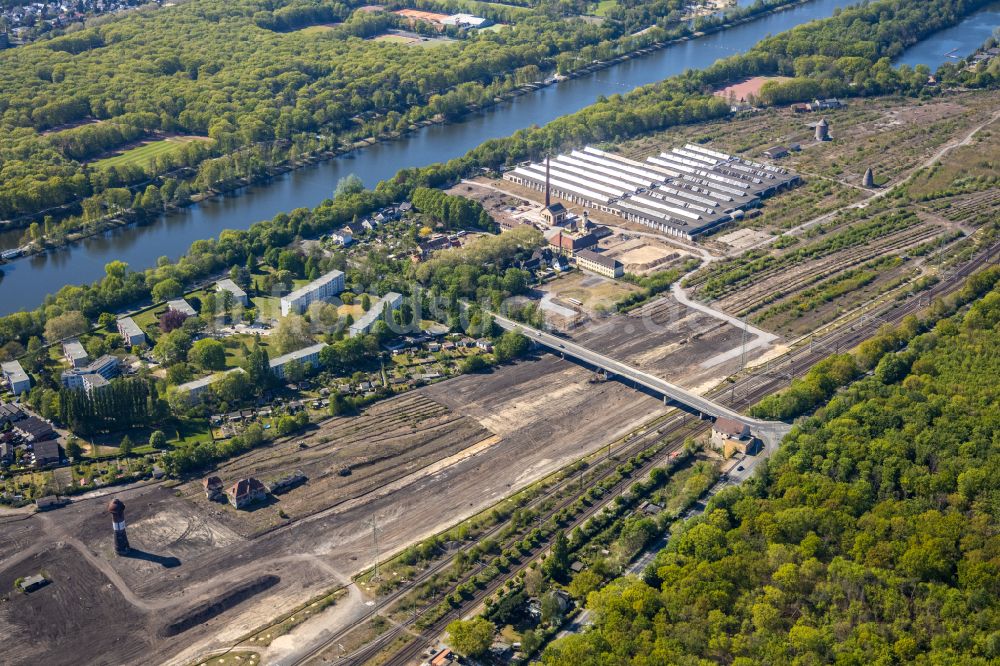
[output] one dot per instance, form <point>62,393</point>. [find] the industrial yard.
<point>529,410</point>
<point>204,575</point>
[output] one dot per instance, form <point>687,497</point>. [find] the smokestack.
<point>117,510</point>
<point>548,200</point>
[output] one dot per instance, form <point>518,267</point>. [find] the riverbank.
<point>118,221</point>
<point>431,156</point>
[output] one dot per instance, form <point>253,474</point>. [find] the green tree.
<point>208,353</point>
<point>157,439</point>
<point>471,637</point>
<point>511,345</point>
<point>556,565</point>
<point>66,325</point>
<point>172,347</point>
<point>73,449</point>
<point>108,322</point>
<point>258,367</point>
<point>349,184</point>
<point>167,289</point>
<point>125,447</point>
<point>291,333</point>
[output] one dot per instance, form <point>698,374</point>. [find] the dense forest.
<point>870,538</point>
<point>244,75</point>
<point>848,50</point>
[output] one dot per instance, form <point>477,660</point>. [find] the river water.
<point>27,281</point>
<point>954,43</point>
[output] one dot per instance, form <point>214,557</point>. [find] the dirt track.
<point>544,411</point>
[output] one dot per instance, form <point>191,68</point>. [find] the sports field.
<point>313,29</point>
<point>146,151</point>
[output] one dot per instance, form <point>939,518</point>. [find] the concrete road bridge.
<point>769,431</point>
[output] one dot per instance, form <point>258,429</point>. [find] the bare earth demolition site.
<point>203,576</point>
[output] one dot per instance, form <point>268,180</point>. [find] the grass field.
<point>605,6</point>
<point>143,153</point>
<point>593,291</point>
<point>316,29</point>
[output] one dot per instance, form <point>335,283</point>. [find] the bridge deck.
<point>662,387</point>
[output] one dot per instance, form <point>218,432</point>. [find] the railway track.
<point>630,446</point>
<point>413,650</point>
<point>765,291</point>
<point>744,391</point>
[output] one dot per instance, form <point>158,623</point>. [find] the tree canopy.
<point>871,537</point>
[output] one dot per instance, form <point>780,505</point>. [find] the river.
<point>956,42</point>
<point>27,281</point>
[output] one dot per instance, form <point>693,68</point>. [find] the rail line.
<point>745,390</point>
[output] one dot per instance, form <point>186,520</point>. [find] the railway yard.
<point>817,269</point>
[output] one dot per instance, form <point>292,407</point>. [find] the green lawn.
<point>142,154</point>
<point>604,6</point>
<point>315,29</point>
<point>147,317</point>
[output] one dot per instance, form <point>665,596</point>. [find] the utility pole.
<point>374,523</point>
<point>743,355</point>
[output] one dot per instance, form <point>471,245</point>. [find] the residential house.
<point>182,306</point>
<point>197,387</point>
<point>213,488</point>
<point>227,285</point>
<point>731,436</point>
<point>321,289</point>
<point>308,356</point>
<point>74,353</point>
<point>131,333</point>
<point>46,453</point>
<point>105,367</point>
<point>33,429</point>
<point>562,241</point>
<point>378,311</point>
<point>9,413</point>
<point>246,492</point>
<point>599,263</point>
<point>342,236</point>
<point>16,377</point>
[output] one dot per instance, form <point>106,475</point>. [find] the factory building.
<point>239,296</point>
<point>321,289</point>
<point>599,263</point>
<point>375,313</point>
<point>16,377</point>
<point>131,333</point>
<point>685,192</point>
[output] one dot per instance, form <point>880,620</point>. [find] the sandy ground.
<point>187,554</point>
